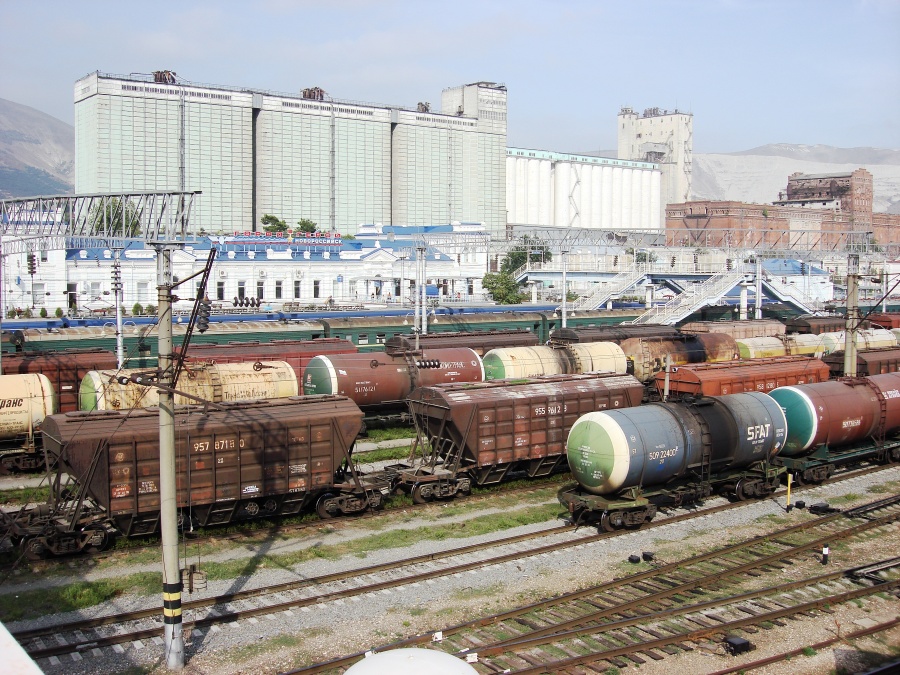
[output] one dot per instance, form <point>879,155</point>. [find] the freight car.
<point>887,320</point>
<point>617,334</point>
<point>481,341</point>
<point>810,344</point>
<point>814,325</point>
<point>648,356</point>
<point>737,329</point>
<point>377,380</point>
<point>298,353</point>
<point>628,463</point>
<point>839,422</point>
<point>736,377</point>
<point>214,382</point>
<point>479,433</point>
<point>25,401</point>
<point>574,358</point>
<point>242,461</point>
<point>868,361</point>
<point>65,369</point>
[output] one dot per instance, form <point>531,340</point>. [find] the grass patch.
<point>809,651</point>
<point>27,495</point>
<point>75,596</point>
<point>391,434</point>
<point>843,499</point>
<point>382,455</point>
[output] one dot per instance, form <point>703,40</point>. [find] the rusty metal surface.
<point>649,355</point>
<point>503,422</point>
<point>817,324</point>
<point>247,451</point>
<point>296,352</point>
<point>610,333</point>
<point>479,341</point>
<point>737,329</point>
<point>868,362</point>
<point>65,369</point>
<point>884,319</point>
<point>735,377</point>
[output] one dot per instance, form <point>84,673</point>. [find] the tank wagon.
<point>736,329</point>
<point>65,369</point>
<point>25,402</point>
<point>650,355</point>
<point>479,341</point>
<point>298,353</point>
<point>377,380</point>
<point>838,422</point>
<point>617,334</point>
<point>574,358</point>
<point>479,433</point>
<point>736,377</point>
<point>214,382</point>
<point>812,344</point>
<point>245,460</point>
<point>627,463</point>
<point>868,361</point>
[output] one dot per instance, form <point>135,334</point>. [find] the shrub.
<point>150,309</point>
<point>28,314</point>
<point>43,313</point>
<point>138,309</point>
<point>59,312</point>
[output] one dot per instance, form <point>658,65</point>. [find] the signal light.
<point>32,264</point>
<point>203,311</point>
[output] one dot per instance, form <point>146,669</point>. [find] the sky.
<point>752,72</point>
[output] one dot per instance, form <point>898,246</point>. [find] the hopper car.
<point>868,361</point>
<point>887,320</point>
<point>737,329</point>
<point>476,434</point>
<point>628,463</point>
<point>242,461</point>
<point>815,325</point>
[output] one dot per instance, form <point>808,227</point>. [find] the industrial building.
<point>294,156</point>
<point>582,191</point>
<point>665,138</point>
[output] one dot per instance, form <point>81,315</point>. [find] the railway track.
<point>209,613</point>
<point>650,614</point>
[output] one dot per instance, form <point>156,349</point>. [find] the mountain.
<point>37,153</point>
<point>758,175</point>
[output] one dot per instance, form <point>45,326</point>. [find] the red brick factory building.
<point>813,212</point>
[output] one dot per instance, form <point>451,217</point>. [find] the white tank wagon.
<point>576,358</point>
<point>25,400</point>
<point>214,382</point>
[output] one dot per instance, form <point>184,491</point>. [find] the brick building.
<point>852,192</point>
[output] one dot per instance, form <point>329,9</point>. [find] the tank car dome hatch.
<point>411,661</point>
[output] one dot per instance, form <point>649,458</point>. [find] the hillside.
<point>37,153</point>
<point>758,175</point>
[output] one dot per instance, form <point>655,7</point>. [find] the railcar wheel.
<point>251,509</point>
<point>422,494</point>
<point>33,548</point>
<point>326,507</point>
<point>99,540</point>
<point>739,491</point>
<point>605,523</point>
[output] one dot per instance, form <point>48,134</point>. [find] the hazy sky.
<point>751,71</point>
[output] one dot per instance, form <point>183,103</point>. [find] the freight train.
<point>627,463</point>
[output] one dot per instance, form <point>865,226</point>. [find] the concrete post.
<point>743,313</point>
<point>172,623</point>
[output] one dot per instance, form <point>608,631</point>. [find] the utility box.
<point>737,645</point>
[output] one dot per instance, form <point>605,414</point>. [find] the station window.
<point>278,293</point>
<point>220,290</point>
<point>296,288</point>
<point>260,285</point>
<point>242,290</point>
<point>316,288</point>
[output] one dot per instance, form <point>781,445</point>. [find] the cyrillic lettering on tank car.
<point>758,432</point>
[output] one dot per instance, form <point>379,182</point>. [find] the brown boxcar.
<point>818,324</point>
<point>478,341</point>
<point>617,334</point>
<point>247,459</point>
<point>296,352</point>
<point>739,330</point>
<point>649,355</point>
<point>480,432</point>
<point>736,377</point>
<point>884,320</point>
<point>65,369</point>
<point>868,362</point>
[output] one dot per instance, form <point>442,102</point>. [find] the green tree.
<point>530,250</point>
<point>306,225</point>
<point>43,313</point>
<point>503,288</point>
<point>138,309</point>
<point>273,224</point>
<point>116,218</point>
<point>59,312</point>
